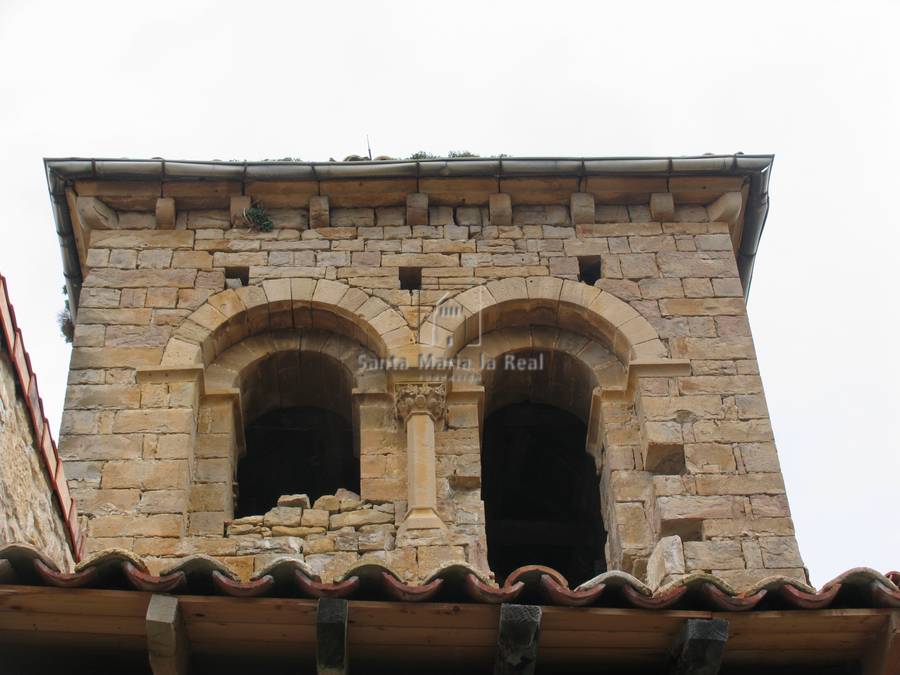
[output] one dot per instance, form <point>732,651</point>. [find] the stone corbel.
<point>420,405</point>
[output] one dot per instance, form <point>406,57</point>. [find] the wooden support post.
<point>699,647</point>
<point>517,639</point>
<point>167,641</point>
<point>332,645</point>
<point>883,658</point>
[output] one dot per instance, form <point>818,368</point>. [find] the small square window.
<point>589,269</point>
<point>235,277</point>
<point>411,278</point>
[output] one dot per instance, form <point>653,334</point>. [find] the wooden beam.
<point>167,641</point>
<point>883,658</point>
<point>517,639</point>
<point>699,647</point>
<point>332,645</point>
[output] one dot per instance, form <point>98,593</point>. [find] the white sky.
<point>815,83</point>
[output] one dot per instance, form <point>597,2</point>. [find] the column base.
<point>422,518</point>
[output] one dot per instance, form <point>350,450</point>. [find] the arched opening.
<point>302,449</point>
<point>539,485</point>
<point>297,407</point>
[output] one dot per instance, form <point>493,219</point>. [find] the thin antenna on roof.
<point>369,146</point>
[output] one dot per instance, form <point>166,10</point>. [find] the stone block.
<point>285,516</point>
<point>359,518</point>
<point>314,518</point>
<point>581,208</point>
<point>662,447</point>
<point>319,215</point>
<point>632,526</point>
<point>433,558</point>
<point>747,484</point>
<point>500,206</point>
<point>328,503</point>
<point>713,555</point>
<point>780,552</point>
<point>301,501</point>
<point>666,563</point>
<point>417,209</point>
<point>662,206</point>
<point>709,458</point>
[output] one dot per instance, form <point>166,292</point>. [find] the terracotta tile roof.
<point>28,385</point>
<point>859,588</point>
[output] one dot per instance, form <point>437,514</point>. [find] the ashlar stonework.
<point>191,325</point>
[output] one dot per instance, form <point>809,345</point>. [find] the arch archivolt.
<point>232,315</point>
<point>546,301</point>
<point>289,368</point>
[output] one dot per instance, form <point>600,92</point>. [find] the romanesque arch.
<point>544,301</point>
<point>228,317</point>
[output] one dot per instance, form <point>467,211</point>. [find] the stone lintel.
<point>161,374</point>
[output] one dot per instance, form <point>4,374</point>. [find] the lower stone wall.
<point>334,533</point>
<point>28,513</point>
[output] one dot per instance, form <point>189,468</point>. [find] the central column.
<point>420,405</point>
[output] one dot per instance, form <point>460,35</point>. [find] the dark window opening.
<point>235,277</point>
<point>540,491</point>
<point>589,269</point>
<point>295,450</point>
<point>410,278</point>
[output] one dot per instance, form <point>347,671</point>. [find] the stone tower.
<point>497,362</point>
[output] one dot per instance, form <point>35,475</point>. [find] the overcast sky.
<point>814,84</point>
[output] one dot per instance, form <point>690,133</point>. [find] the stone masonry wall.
<point>688,471</point>
<point>27,510</point>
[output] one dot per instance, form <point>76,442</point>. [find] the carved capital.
<point>421,398</point>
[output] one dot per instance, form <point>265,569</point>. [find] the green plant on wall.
<point>65,321</point>
<point>257,217</point>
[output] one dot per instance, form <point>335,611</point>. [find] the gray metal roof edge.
<point>60,170</point>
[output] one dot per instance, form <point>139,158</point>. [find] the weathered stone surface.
<point>314,518</point>
<point>713,555</point>
<point>294,500</point>
<point>285,516</point>
<point>689,455</point>
<point>328,503</point>
<point>27,510</point>
<point>666,562</point>
<point>359,518</point>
